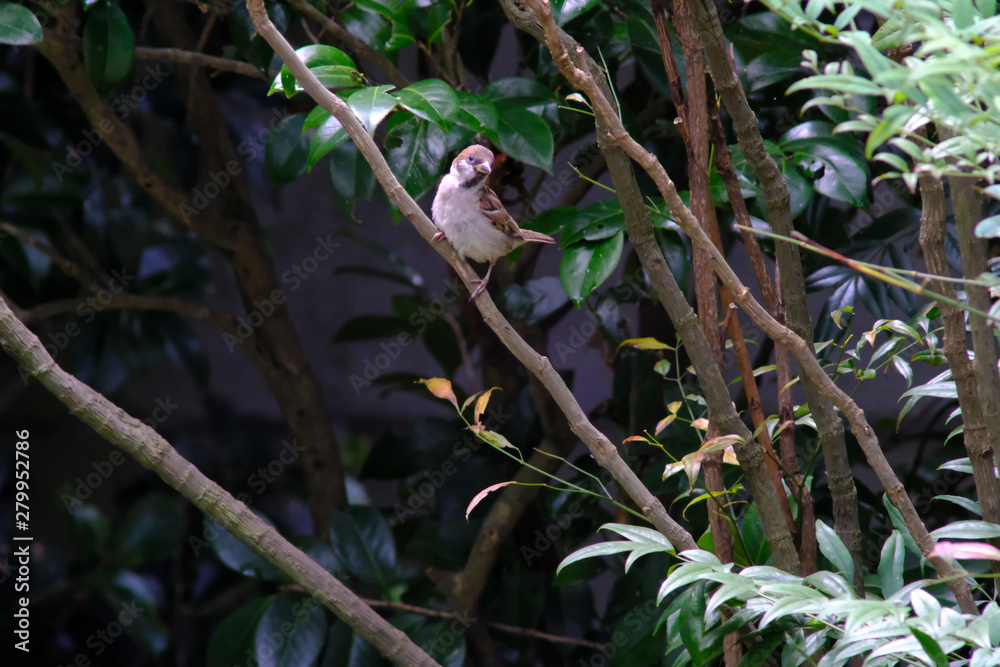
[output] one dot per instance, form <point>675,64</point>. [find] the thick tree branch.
<point>603,451</point>
<point>153,452</point>
<point>808,363</point>
<point>976,434</point>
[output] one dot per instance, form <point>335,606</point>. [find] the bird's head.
<point>472,165</point>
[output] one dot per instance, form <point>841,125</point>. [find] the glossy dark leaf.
<point>18,25</point>
<point>525,137</point>
<point>108,46</point>
<point>419,156</point>
<point>836,171</point>
<point>351,177</point>
<point>150,531</point>
<point>233,640</point>
<point>237,556</point>
<point>588,264</point>
<point>90,529</point>
<point>368,327</point>
<point>425,445</point>
<point>692,622</point>
<point>772,67</point>
<point>329,134</point>
<point>371,105</point>
<point>134,599</point>
<point>478,114</point>
<point>364,545</point>
<point>567,10</point>
<point>535,300</point>
<point>320,552</point>
<point>290,632</point>
<point>286,156</point>
<point>676,254</point>
<point>430,99</point>
<point>344,648</point>
<point>594,223</point>
<point>332,67</point>
<point>553,220</point>
<point>646,48</point>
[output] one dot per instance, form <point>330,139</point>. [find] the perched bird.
<point>470,215</point>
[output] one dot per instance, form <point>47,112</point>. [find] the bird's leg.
<point>438,236</point>
<point>482,283</point>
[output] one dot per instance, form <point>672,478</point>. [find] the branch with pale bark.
<point>144,444</point>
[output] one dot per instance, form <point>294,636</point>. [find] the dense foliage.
<point>128,165</point>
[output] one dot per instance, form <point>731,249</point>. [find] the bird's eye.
<point>471,159</point>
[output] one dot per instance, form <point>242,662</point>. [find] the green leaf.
<point>329,134</point>
<point>525,137</point>
<point>290,632</point>
<point>478,114</point>
<point>646,48</point>
<point>586,265</point>
<point>967,530</point>
<point>330,65</point>
<point>237,556</point>
<point>150,531</point>
<point>929,645</point>
<point>967,504</point>
<point>18,26</point>
<point>371,105</point>
<point>287,155</point>
<point>233,640</point>
<point>890,567</point>
<point>351,178</point>
<point>364,546</point>
<point>988,228</point>
<point>836,172</point>
<point>596,551</point>
<point>772,67</point>
<point>108,46</point>
<point>344,648</point>
<point>567,10</point>
<point>762,650</point>
<point>835,551</point>
<point>418,156</point>
<point>692,622</point>
<point>594,223</point>
<point>535,300</point>
<point>430,99</point>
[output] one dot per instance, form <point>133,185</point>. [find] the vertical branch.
<point>976,434</point>
<point>776,200</point>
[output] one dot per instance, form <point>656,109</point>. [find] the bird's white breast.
<point>464,224</point>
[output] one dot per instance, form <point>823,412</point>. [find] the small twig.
<point>204,60</point>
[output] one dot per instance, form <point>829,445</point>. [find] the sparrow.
<point>469,214</point>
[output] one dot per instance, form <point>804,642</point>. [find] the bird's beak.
<point>483,168</point>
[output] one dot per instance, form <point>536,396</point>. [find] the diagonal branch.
<point>153,452</point>
<point>603,451</point>
<point>808,363</point>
